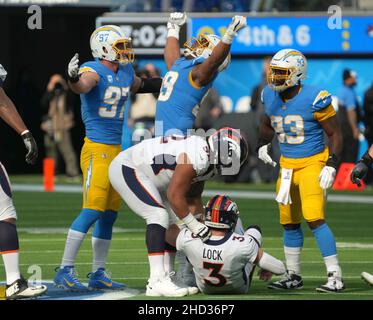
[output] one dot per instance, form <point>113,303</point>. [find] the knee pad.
<point>86,218</point>
<point>104,225</point>
<point>8,237</point>
<point>155,238</point>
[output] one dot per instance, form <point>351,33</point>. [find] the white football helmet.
<point>286,69</point>
<point>110,43</point>
<point>203,46</point>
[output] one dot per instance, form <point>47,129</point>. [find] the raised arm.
<point>80,83</point>
<point>203,73</point>
<point>172,49</point>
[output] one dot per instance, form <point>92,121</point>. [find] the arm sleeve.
<point>324,113</point>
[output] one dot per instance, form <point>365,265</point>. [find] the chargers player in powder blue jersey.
<point>103,85</point>
<point>299,115</point>
<point>190,77</point>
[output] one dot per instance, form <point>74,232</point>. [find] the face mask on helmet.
<point>124,51</point>
<point>279,79</point>
<point>221,213</point>
<point>196,47</point>
<point>228,151</point>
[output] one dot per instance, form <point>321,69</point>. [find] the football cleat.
<point>20,289</point>
<point>183,282</point>
<point>289,282</point>
<point>100,280</point>
<point>334,284</point>
<point>67,279</point>
<point>164,288</point>
<point>367,277</point>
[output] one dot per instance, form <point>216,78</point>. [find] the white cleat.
<point>182,282</point>
<point>19,289</point>
<point>335,284</point>
<point>367,277</point>
<point>164,288</point>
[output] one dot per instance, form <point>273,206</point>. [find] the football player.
<point>155,177</point>
<point>104,85</point>
<point>225,263</point>
<point>16,285</point>
<point>190,77</point>
<point>300,115</point>
<point>359,172</point>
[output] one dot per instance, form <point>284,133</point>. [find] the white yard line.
<point>264,195</point>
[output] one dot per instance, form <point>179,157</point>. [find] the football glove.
<point>31,147</point>
<point>175,21</point>
<point>237,23</point>
<point>73,69</point>
<point>197,228</point>
<point>361,169</point>
<point>264,156</point>
<point>327,174</point>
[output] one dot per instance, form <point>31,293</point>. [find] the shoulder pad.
<point>322,100</point>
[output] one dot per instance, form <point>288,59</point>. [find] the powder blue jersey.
<point>103,107</point>
<point>297,121</point>
<point>179,98</point>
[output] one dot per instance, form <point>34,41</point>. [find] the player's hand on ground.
<point>326,177</point>
<point>73,67</point>
<point>264,156</point>
<point>264,275</point>
<point>176,18</point>
<point>31,147</point>
<point>359,172</point>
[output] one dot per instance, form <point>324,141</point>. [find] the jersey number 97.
<point>112,97</point>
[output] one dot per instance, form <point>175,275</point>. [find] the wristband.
<point>332,161</point>
<point>72,79</point>
<point>228,36</point>
<point>173,30</point>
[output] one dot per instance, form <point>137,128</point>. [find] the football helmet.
<point>221,213</point>
<point>286,69</point>
<point>110,43</point>
<point>203,47</point>
<point>228,151</point>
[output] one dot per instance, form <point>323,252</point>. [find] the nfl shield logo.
<point>110,78</point>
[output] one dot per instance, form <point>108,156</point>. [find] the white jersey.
<point>3,74</point>
<point>157,157</point>
<point>220,265</point>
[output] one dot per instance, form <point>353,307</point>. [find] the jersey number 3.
<point>296,124</point>
<point>214,273</point>
<point>168,85</point>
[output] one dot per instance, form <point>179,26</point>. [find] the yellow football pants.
<point>306,194</point>
<point>95,158</point>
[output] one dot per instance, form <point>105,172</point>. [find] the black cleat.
<point>289,282</point>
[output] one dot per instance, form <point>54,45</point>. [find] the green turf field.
<point>351,223</point>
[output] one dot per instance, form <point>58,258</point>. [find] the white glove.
<point>73,67</point>
<point>264,156</point>
<point>237,23</point>
<point>176,20</point>
<point>326,177</point>
<point>198,228</point>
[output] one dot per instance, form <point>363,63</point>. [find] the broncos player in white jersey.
<point>225,263</point>
<point>16,286</point>
<point>155,177</point>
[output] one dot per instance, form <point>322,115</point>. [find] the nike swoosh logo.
<point>69,283</point>
<point>109,284</point>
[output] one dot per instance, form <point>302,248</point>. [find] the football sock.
<point>155,242</point>
<point>73,242</point>
<point>76,235</point>
<point>9,247</point>
<point>101,238</point>
<point>293,243</point>
<point>326,242</point>
<point>11,263</point>
<point>169,258</point>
